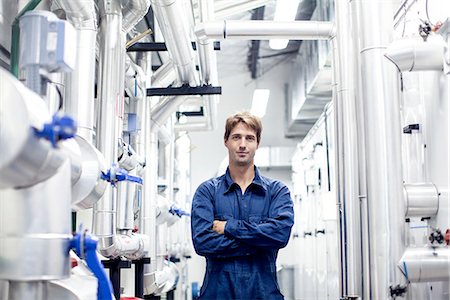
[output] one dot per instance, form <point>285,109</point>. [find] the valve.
<point>178,211</point>
<point>85,247</point>
<point>116,174</point>
<point>398,290</point>
<point>61,127</point>
<point>436,236</point>
<point>424,30</point>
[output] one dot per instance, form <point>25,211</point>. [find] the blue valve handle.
<point>85,247</point>
<point>178,211</point>
<point>116,174</point>
<point>61,127</point>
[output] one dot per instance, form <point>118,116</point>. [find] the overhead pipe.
<point>347,179</point>
<point>133,12</point>
<point>379,101</point>
<point>208,69</point>
<point>415,54</point>
<point>426,264</point>
<point>175,29</point>
<point>265,30</point>
<point>421,200</point>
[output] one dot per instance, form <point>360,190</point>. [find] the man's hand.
<point>219,226</point>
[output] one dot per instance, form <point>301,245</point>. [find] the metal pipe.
<point>426,264</point>
<point>111,98</point>
<point>265,30</point>
<point>164,76</point>
<point>415,54</point>
<point>421,200</point>
<point>174,28</point>
<point>133,12</point>
<point>348,150</point>
<point>379,89</point>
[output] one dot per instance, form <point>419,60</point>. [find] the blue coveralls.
<point>240,264</point>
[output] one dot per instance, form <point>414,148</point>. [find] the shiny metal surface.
<point>421,200</point>
<point>42,230</point>
<point>25,159</point>
<point>379,91</point>
<point>175,29</point>
<point>164,76</point>
<point>265,30</point>
<point>413,54</point>
<point>89,188</point>
<point>133,11</point>
<point>347,151</point>
<point>127,193</point>
<point>426,264</point>
<point>112,49</point>
<point>80,85</point>
<point>80,13</point>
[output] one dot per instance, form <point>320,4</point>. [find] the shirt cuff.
<point>230,227</point>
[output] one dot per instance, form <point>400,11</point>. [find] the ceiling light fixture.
<point>259,102</point>
<point>286,10</point>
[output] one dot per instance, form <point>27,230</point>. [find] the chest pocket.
<point>259,205</point>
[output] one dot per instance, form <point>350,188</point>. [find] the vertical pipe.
<point>380,103</point>
<point>111,101</point>
<point>348,148</point>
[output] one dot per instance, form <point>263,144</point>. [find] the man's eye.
<point>250,138</point>
<point>235,137</point>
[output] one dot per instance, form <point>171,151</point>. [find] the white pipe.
<point>79,92</point>
<point>421,200</point>
<point>134,80</point>
<point>175,29</point>
<point>426,264</point>
<point>164,76</point>
<point>265,30</point>
<point>379,92</point>
<point>415,54</point>
<point>347,150</point>
<point>133,12</point>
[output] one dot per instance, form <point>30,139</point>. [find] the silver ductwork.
<point>347,179</point>
<point>175,29</point>
<point>265,30</point>
<point>79,92</point>
<point>415,54</point>
<point>426,264</point>
<point>133,11</point>
<point>421,200</point>
<point>380,104</point>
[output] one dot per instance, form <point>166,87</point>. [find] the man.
<point>240,220</point>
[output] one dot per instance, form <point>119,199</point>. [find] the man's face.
<point>241,145</point>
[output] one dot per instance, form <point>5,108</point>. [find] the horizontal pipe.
<point>415,54</point>
<point>421,200</point>
<point>265,30</point>
<point>426,264</point>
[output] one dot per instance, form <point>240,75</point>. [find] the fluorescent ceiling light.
<point>259,103</point>
<point>286,10</point>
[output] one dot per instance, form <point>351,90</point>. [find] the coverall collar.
<point>257,180</point>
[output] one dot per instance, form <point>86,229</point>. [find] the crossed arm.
<point>215,238</point>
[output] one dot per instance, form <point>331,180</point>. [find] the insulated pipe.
<point>426,264</point>
<point>347,150</point>
<point>174,27</point>
<point>421,200</point>
<point>133,11</point>
<point>379,92</point>
<point>265,30</point>
<point>112,48</point>
<point>164,76</point>
<point>79,92</point>
<point>415,54</point>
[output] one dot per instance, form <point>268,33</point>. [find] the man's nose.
<point>242,143</point>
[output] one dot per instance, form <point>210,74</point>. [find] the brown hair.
<point>248,119</point>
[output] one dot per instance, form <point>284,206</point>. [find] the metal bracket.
<point>143,47</point>
<point>185,90</point>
